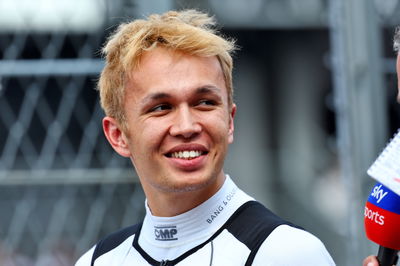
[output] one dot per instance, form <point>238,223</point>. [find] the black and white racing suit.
<point>229,229</point>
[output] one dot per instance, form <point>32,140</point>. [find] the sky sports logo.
<point>382,217</point>
<point>382,205</point>
<point>373,210</point>
<point>165,233</point>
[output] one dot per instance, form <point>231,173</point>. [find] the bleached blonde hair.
<point>188,31</point>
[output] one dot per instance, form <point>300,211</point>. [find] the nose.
<point>185,123</point>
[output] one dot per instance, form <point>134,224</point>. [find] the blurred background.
<point>315,87</point>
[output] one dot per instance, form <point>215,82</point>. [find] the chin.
<point>189,184</point>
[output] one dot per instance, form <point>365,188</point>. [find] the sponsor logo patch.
<point>165,233</point>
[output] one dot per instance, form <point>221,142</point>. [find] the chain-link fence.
<point>61,184</point>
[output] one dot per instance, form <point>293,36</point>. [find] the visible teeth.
<point>186,154</point>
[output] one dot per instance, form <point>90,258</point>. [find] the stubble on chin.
<point>169,186</point>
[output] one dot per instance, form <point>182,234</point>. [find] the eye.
<point>207,102</point>
<point>160,108</point>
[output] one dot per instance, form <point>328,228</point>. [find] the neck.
<point>166,238</point>
<point>168,204</point>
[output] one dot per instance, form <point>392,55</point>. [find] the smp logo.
<point>165,233</point>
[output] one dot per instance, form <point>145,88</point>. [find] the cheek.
<point>149,135</point>
<point>220,128</point>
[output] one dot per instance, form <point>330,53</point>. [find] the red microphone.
<point>382,223</point>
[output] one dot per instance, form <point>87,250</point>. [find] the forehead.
<point>161,57</point>
<point>163,68</point>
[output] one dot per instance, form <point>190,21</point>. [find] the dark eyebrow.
<point>155,96</point>
<point>208,89</point>
<point>162,95</point>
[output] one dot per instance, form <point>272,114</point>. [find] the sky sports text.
<point>374,216</point>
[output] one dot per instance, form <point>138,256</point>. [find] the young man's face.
<point>179,122</point>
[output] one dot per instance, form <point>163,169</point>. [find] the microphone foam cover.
<point>382,217</point>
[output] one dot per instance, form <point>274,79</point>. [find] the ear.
<point>231,123</point>
<point>116,137</point>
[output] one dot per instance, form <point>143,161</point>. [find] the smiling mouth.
<point>186,155</point>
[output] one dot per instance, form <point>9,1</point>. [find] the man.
<point>167,93</point>
<point>371,260</point>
